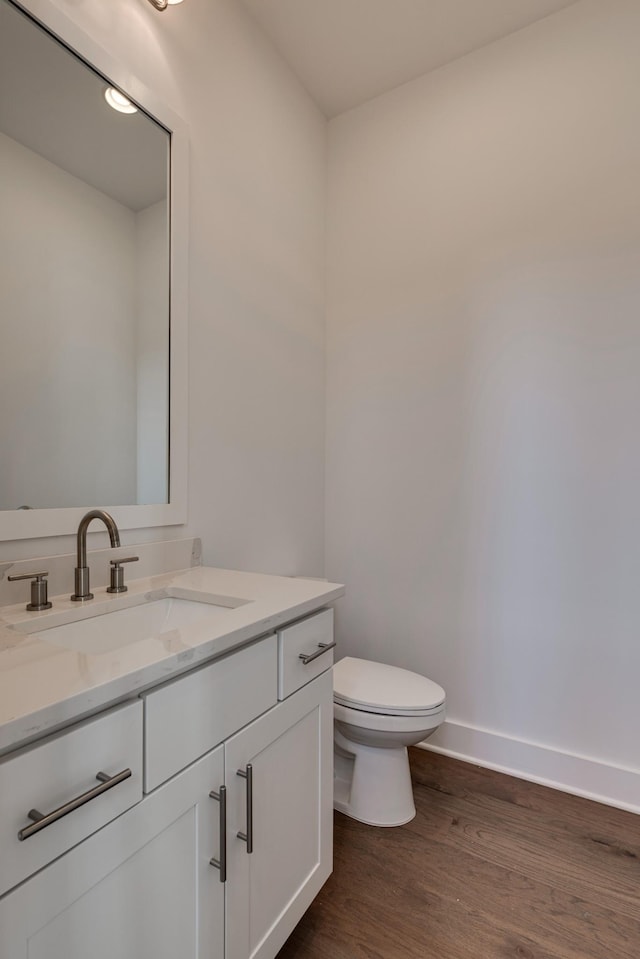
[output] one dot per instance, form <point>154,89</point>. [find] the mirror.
<point>91,286</point>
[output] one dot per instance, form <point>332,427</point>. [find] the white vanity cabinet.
<point>283,802</point>
<point>231,843</point>
<point>141,888</point>
<point>59,774</point>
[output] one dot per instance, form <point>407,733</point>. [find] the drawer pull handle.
<point>322,648</point>
<point>221,863</point>
<point>248,835</point>
<point>42,820</point>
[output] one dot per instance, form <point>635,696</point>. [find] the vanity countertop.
<point>44,686</point>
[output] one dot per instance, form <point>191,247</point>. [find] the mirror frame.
<point>29,524</point>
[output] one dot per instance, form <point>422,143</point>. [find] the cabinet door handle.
<point>248,835</point>
<point>221,863</point>
<point>322,648</point>
<point>42,820</point>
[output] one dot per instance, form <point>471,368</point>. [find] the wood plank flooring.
<point>491,868</point>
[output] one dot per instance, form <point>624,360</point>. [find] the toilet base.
<point>372,784</point>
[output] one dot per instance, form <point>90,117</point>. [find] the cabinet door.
<point>290,751</point>
<point>140,888</point>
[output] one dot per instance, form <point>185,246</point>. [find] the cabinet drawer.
<point>301,651</point>
<point>51,775</point>
<point>192,714</point>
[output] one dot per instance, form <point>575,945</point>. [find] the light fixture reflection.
<point>118,101</point>
<point>163,4</point>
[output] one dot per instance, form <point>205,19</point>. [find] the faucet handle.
<point>39,586</point>
<point>117,574</point>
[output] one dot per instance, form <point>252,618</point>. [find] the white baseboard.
<point>579,775</point>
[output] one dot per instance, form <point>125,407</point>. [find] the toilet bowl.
<point>378,711</point>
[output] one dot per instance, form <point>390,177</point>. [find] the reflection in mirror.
<point>84,284</point>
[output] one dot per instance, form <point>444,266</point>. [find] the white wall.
<point>256,281</point>
<point>67,376</point>
<point>483,455</point>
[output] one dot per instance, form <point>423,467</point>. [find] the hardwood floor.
<point>491,868</point>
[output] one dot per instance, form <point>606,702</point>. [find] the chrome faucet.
<point>82,570</point>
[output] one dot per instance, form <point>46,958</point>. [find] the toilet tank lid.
<point>361,682</point>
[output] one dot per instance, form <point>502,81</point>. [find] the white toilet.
<point>378,711</point>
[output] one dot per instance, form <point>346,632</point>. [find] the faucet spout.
<point>82,591</point>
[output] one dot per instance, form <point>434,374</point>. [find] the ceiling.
<point>348,51</point>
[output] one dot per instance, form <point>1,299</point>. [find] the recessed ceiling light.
<point>118,101</point>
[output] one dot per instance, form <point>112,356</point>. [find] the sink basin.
<point>111,631</point>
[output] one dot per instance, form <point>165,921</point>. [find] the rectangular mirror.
<point>92,285</point>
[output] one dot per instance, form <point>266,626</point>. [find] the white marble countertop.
<point>45,686</point>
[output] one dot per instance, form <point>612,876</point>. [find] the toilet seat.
<point>369,687</point>
<point>388,722</point>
